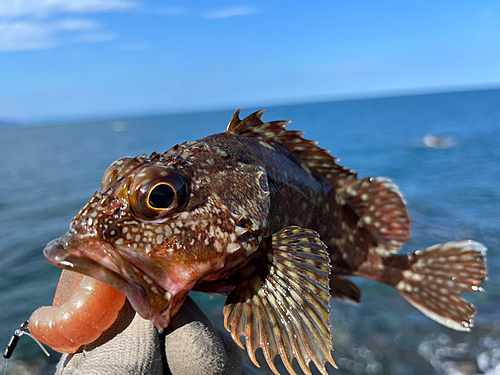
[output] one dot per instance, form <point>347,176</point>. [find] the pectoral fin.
<point>281,302</point>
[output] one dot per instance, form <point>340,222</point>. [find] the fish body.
<point>270,219</point>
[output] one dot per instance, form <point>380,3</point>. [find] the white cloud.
<point>30,36</point>
<point>97,37</point>
<point>45,8</point>
<point>25,36</point>
<point>27,25</point>
<point>231,12</point>
<point>72,24</point>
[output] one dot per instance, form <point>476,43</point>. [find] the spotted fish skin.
<point>268,218</point>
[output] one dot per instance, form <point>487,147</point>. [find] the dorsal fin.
<point>390,225</point>
<point>306,150</point>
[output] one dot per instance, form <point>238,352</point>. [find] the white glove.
<point>190,345</point>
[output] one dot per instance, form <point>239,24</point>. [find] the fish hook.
<point>23,330</point>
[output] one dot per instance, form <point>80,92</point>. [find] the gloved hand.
<point>190,345</point>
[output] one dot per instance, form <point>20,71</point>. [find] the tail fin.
<point>436,277</point>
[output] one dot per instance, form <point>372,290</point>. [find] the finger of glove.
<point>194,347</point>
<point>130,346</point>
<point>235,355</point>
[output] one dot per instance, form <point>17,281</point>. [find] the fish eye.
<point>157,192</point>
<point>161,197</point>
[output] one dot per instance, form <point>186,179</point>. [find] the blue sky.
<point>75,59</point>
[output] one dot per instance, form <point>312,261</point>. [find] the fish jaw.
<point>103,262</point>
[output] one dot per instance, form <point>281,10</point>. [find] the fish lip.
<point>101,261</point>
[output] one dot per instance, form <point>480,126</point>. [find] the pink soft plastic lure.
<point>82,310</point>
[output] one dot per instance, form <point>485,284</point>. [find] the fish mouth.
<point>104,263</point>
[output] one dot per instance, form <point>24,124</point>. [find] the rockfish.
<point>269,219</point>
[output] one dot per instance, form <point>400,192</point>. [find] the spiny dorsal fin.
<point>377,201</point>
<point>306,150</point>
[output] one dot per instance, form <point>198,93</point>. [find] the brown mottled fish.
<point>270,219</point>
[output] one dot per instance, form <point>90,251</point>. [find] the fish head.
<point>162,223</point>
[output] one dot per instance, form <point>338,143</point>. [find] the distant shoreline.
<point>8,124</point>
<point>324,100</point>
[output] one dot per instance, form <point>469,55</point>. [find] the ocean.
<point>452,190</point>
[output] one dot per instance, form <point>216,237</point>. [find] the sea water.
<point>443,150</point>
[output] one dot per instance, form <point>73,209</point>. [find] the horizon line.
<point>106,116</point>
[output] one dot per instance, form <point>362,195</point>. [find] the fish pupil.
<point>161,197</point>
